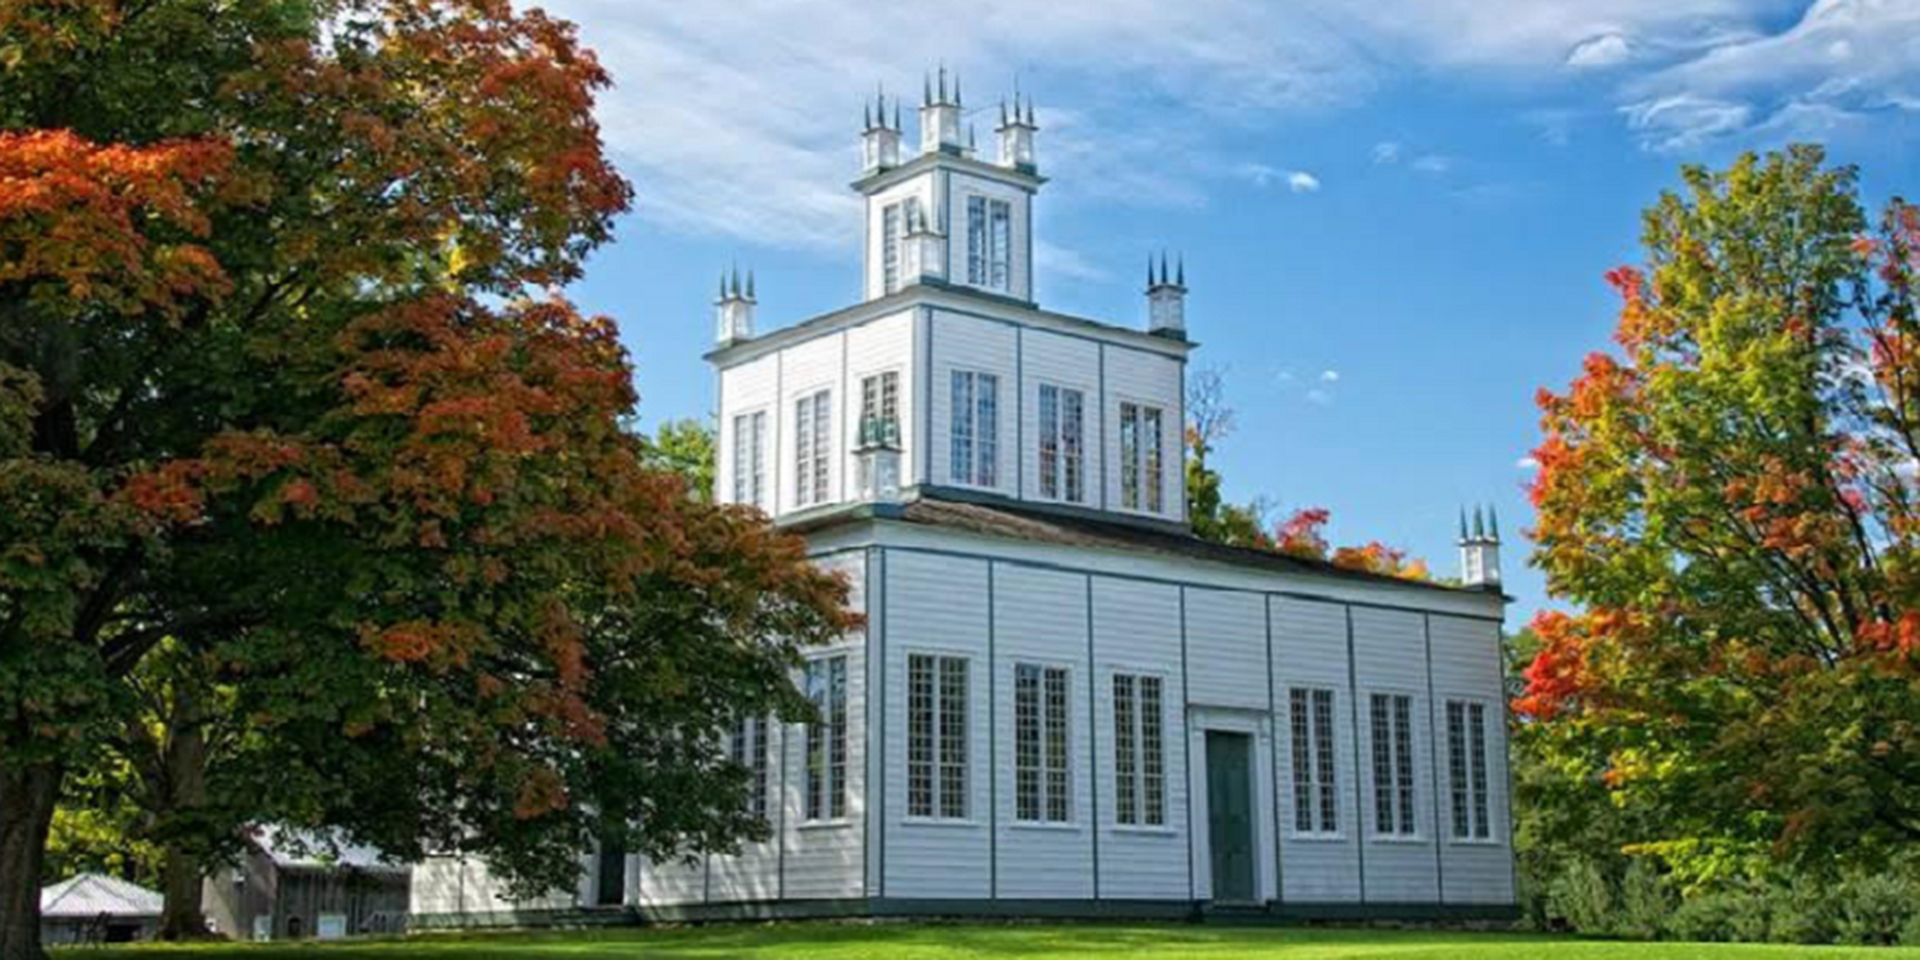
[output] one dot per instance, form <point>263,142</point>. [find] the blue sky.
<point>1395,214</point>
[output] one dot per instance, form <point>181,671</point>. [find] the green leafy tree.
<point>280,397</point>
<point>1730,500</point>
<point>685,447</point>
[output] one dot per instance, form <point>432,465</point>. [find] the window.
<point>1467,769</point>
<point>890,234</point>
<point>936,737</point>
<point>1139,751</point>
<point>976,428</point>
<point>1141,439</point>
<point>1062,444</point>
<point>750,459</point>
<point>1042,787</point>
<point>880,408</point>
<point>1315,804</point>
<point>827,740</point>
<point>747,744</point>
<point>1392,716</point>
<point>989,243</point>
<point>812,447</point>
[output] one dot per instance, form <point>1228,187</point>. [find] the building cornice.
<point>955,299</point>
<point>879,180</point>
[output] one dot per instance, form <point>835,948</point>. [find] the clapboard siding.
<point>936,605</point>
<point>1070,363</point>
<point>754,872</point>
<point>1227,649</point>
<point>1310,651</point>
<point>962,342</point>
<point>1466,666</point>
<point>1040,617</point>
<point>1154,380</point>
<point>1136,629</point>
<point>1389,648</point>
<point>824,860</point>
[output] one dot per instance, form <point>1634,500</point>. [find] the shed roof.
<point>89,895</point>
<point>304,849</point>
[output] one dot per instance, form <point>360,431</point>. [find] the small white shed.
<point>96,908</point>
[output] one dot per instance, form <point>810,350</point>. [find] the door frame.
<point>1257,723</point>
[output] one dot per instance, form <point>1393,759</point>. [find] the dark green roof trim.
<point>882,179</point>
<point>937,297</point>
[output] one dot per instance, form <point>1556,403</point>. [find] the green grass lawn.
<point>900,941</point>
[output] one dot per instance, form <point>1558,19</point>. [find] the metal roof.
<point>88,895</point>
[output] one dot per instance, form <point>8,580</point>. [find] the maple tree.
<point>1730,498</point>
<point>283,403</point>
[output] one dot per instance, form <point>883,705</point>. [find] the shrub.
<point>1873,909</point>
<point>1707,917</point>
<point>1582,897</point>
<point>1803,912</point>
<point>1910,932</point>
<point>1645,903</point>
<point>1750,913</point>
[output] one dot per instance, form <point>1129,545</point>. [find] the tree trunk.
<point>27,796</point>
<point>185,771</point>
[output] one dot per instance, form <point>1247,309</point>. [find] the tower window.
<point>880,408</point>
<point>989,243</point>
<point>750,459</point>
<point>812,447</point>
<point>1141,439</point>
<point>1062,444</point>
<point>976,429</point>
<point>890,234</point>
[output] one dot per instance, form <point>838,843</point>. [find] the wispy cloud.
<point>1433,163</point>
<point>1319,397</point>
<point>738,119</point>
<point>1329,376</point>
<point>1526,463</point>
<point>1054,260</point>
<point>1264,175</point>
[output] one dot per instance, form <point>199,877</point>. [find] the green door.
<point>1230,814</point>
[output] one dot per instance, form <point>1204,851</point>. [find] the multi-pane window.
<point>1062,444</point>
<point>827,740</point>
<point>750,459</point>
<point>747,744</point>
<point>1315,796</point>
<point>1467,769</point>
<point>1139,751</point>
<point>976,428</point>
<point>812,447</point>
<point>880,408</point>
<point>1042,785</point>
<point>936,736</point>
<point>1141,437</point>
<point>989,243</point>
<point>1392,722</point>
<point>891,230</point>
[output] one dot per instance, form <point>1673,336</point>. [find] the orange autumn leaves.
<point>1302,535</point>
<point>115,225</point>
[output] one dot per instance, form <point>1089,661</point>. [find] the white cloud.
<point>1606,50</point>
<point>1053,260</point>
<point>1685,121</point>
<point>1527,463</point>
<point>1319,397</point>
<point>1329,376</point>
<point>738,119</point>
<point>1263,176</point>
<point>1842,60</point>
<point>1433,163</point>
